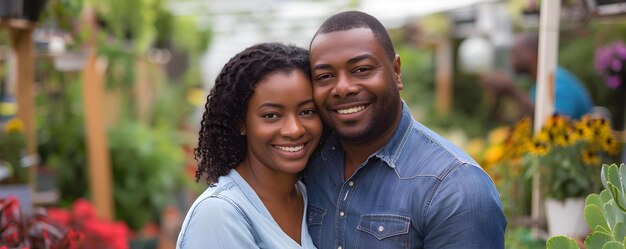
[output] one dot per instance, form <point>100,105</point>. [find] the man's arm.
<point>465,212</point>
<point>498,85</point>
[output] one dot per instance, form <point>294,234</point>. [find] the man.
<point>570,96</point>
<point>380,179</point>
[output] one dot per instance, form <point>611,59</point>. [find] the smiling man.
<point>380,178</point>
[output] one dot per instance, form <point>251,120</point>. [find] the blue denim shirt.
<point>418,191</point>
<point>231,215</point>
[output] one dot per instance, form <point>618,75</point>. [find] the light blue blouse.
<point>231,215</point>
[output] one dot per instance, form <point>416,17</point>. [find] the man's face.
<point>355,85</point>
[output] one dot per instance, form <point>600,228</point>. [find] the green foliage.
<point>561,242</point>
<point>417,75</point>
<point>147,166</point>
<point>604,214</point>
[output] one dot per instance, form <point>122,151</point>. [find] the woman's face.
<point>281,123</point>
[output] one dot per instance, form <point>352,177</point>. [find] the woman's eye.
<point>308,112</point>
<point>270,115</point>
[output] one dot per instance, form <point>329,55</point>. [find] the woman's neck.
<point>267,183</point>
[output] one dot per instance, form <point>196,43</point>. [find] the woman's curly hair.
<point>221,147</point>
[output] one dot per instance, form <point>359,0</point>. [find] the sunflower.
<point>14,125</point>
<point>590,157</point>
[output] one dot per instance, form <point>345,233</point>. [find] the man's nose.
<point>345,87</point>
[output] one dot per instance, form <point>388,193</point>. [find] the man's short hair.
<point>356,19</point>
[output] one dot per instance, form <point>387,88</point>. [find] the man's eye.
<point>361,69</point>
<point>323,77</point>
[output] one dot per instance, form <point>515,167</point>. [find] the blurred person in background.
<point>381,179</point>
<point>258,130</point>
<point>571,98</point>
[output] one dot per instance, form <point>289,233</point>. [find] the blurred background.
<point>101,101</point>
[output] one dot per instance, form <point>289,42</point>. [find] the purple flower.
<point>616,65</point>
<point>603,59</point>
<point>613,81</point>
<point>620,50</point>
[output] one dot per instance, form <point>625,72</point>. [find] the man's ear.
<point>398,71</point>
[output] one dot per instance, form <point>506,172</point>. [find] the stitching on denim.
<point>456,156</point>
<point>435,190</point>
<point>240,211</point>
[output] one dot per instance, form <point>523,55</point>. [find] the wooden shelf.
<point>17,24</point>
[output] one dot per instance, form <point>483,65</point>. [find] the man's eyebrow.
<point>358,58</point>
<point>321,66</point>
<point>352,60</point>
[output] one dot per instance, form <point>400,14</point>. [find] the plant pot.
<point>70,61</point>
<point>22,192</point>
<point>566,217</point>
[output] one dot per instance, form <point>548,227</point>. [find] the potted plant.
<point>605,213</point>
<point>14,176</point>
<point>56,228</point>
<point>567,153</point>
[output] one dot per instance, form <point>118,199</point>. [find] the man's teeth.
<point>351,110</point>
<point>290,149</point>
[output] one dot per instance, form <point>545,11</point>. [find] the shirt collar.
<point>388,153</point>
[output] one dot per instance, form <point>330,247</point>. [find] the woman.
<point>258,130</point>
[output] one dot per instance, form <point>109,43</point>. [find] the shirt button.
<point>339,247</point>
<point>381,228</point>
<point>351,183</point>
<point>333,148</point>
<point>341,214</point>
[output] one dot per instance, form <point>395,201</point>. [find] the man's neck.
<point>356,153</point>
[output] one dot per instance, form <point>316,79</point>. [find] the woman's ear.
<point>242,129</point>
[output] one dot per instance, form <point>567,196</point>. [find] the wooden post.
<point>444,77</point>
<point>100,179</point>
<point>97,143</point>
<point>23,55</point>
<point>546,74</point>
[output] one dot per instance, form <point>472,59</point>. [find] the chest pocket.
<point>383,231</point>
<point>314,221</point>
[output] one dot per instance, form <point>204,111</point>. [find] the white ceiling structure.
<point>238,24</point>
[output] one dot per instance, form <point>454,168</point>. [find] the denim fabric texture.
<point>418,191</point>
<point>231,215</point>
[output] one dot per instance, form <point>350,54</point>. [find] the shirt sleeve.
<point>216,223</point>
<point>465,212</point>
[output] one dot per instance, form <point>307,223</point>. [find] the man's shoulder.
<point>428,153</point>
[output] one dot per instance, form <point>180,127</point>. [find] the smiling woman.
<point>258,131</point>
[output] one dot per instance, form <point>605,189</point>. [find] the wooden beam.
<point>546,74</point>
<point>97,144</point>
<point>23,57</point>
<point>443,88</point>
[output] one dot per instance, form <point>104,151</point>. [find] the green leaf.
<point>561,242</point>
<point>604,175</point>
<point>597,240</point>
<point>613,176</point>
<point>601,229</point>
<point>594,217</point>
<point>594,199</point>
<point>610,213</point>
<point>617,196</point>
<point>605,195</point>
<point>613,245</point>
<point>622,174</point>
<point>619,232</point>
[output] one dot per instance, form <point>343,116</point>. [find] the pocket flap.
<point>383,226</point>
<point>316,215</point>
